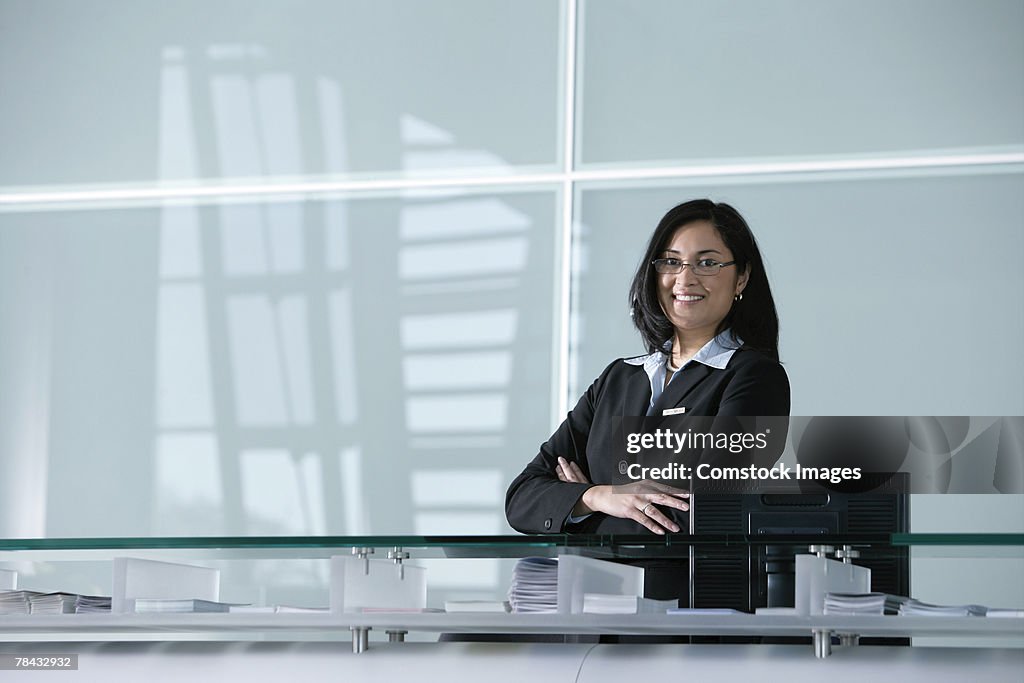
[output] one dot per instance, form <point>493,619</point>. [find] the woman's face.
<point>696,304</point>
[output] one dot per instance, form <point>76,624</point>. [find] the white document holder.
<point>578,576</point>
<point>135,578</point>
<point>816,576</point>
<point>360,583</point>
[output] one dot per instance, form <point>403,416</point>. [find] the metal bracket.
<point>364,555</point>
<point>847,554</point>
<point>397,555</point>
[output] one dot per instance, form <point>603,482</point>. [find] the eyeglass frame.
<point>693,267</point>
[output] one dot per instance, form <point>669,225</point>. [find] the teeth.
<point>688,297</point>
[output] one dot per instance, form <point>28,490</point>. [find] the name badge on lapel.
<point>672,411</point>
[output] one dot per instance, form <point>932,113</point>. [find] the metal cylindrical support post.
<point>848,639</point>
<point>822,644</point>
<point>360,639</point>
<point>396,636</point>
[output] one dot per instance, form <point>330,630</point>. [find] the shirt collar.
<point>715,354</point>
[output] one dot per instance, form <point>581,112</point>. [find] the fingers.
<point>580,477</point>
<point>663,494</point>
<point>669,501</point>
<point>570,472</point>
<point>641,518</point>
<point>562,470</point>
<point>658,516</point>
<point>655,519</point>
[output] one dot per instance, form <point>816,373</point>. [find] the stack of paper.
<point>52,603</point>
<point>476,606</point>
<point>534,585</point>
<point>1005,612</point>
<point>34,602</point>
<point>603,603</point>
<point>90,604</point>
<point>160,605</point>
<point>863,603</point>
<point>883,603</point>
<point>916,608</point>
<point>15,602</point>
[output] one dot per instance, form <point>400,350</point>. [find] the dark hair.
<point>753,319</point>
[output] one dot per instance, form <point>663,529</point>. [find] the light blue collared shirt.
<point>716,354</point>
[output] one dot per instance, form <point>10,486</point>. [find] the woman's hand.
<point>638,501</point>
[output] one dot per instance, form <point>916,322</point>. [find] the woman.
<point>701,301</point>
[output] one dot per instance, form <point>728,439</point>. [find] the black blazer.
<point>752,384</point>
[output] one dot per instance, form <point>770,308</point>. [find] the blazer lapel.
<point>637,396</point>
<point>680,386</point>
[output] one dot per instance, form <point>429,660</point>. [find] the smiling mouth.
<point>688,298</point>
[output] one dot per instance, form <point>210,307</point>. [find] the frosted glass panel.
<point>665,80</point>
<point>300,394</point>
<point>191,89</point>
<point>908,282</point>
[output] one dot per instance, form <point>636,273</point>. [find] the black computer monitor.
<point>745,577</point>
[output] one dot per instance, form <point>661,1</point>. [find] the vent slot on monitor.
<point>870,514</point>
<point>722,575</point>
<point>719,515</point>
<point>804,500</point>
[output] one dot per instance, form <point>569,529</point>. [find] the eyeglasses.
<point>705,266</point>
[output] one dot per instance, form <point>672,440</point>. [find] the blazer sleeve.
<point>537,501</point>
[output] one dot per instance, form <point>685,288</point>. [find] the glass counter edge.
<point>508,542</point>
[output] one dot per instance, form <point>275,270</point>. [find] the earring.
<point>738,297</point>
